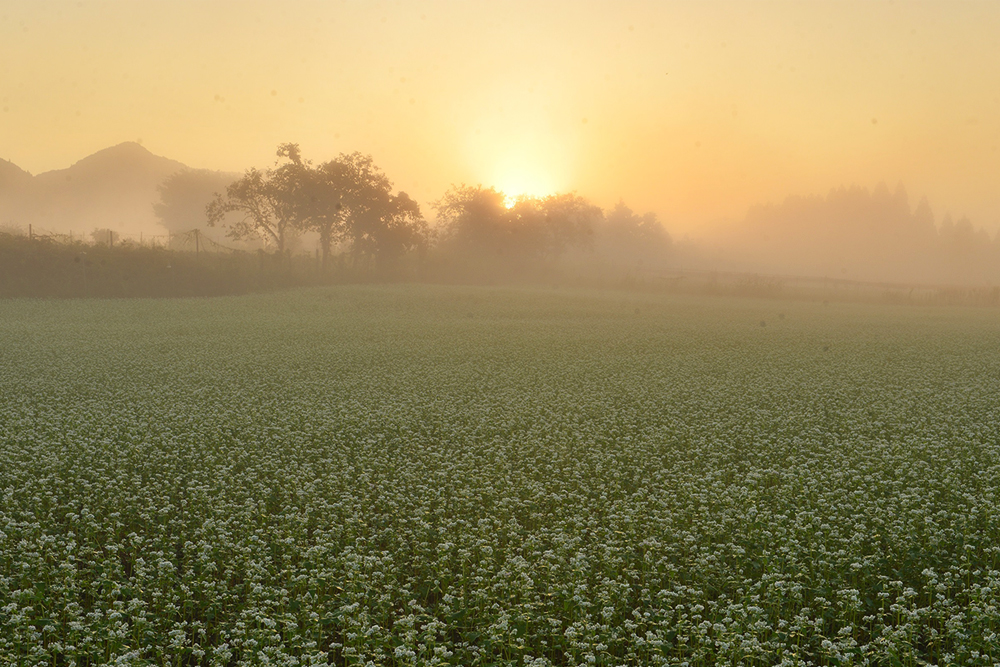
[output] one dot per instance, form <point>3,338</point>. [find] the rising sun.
<point>519,156</point>
<point>522,182</point>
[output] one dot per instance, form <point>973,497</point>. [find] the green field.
<point>473,476</point>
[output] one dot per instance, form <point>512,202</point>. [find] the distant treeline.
<point>865,235</point>
<point>359,228</point>
<point>299,222</point>
<point>348,209</point>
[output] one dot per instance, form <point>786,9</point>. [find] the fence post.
<point>111,239</point>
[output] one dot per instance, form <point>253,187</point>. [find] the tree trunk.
<point>325,241</point>
<point>280,241</point>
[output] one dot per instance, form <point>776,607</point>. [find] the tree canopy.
<point>264,205</point>
<point>350,204</point>
<point>479,220</point>
<point>347,200</point>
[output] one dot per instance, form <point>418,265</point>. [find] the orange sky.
<point>694,110</point>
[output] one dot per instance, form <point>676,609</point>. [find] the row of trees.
<point>861,234</point>
<point>480,218</point>
<point>347,199</point>
<point>480,229</point>
<point>349,204</point>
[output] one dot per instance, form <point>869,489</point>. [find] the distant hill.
<point>114,188</point>
<point>12,176</point>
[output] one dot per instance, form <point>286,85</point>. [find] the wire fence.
<point>45,263</point>
<point>194,240</point>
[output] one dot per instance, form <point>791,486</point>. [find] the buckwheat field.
<point>474,476</point>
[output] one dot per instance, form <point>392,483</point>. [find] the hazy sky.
<point>692,109</point>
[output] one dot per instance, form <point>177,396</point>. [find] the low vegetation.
<point>468,476</point>
<point>62,269</point>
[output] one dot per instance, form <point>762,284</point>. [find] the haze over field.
<point>541,333</point>
<point>696,112</point>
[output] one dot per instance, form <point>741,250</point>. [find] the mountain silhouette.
<point>12,176</point>
<point>114,188</point>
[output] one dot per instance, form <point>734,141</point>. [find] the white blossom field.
<point>415,475</point>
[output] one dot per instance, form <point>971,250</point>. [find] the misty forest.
<point>523,334</point>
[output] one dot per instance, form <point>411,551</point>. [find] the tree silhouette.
<point>626,236</point>
<point>387,227</point>
<point>267,202</point>
<point>474,218</point>
<point>347,199</point>
<point>322,204</point>
<point>478,220</point>
<point>378,224</point>
<point>569,222</point>
<point>350,199</point>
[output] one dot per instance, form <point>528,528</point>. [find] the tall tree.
<point>385,226</point>
<point>347,199</point>
<point>322,199</point>
<point>351,199</point>
<point>267,202</point>
<point>569,222</point>
<point>335,194</point>
<point>474,218</point>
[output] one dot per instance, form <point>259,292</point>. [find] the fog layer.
<point>347,208</point>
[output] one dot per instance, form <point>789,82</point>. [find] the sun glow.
<point>519,156</point>
<point>522,182</point>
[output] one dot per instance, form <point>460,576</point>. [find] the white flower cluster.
<point>444,476</point>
